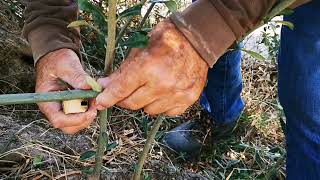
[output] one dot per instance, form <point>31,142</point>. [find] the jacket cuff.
<point>48,38</point>
<point>205,29</point>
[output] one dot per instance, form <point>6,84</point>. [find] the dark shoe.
<point>188,138</point>
<point>185,139</point>
<point>223,131</point>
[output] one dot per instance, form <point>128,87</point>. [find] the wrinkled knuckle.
<point>78,78</point>
<point>118,92</point>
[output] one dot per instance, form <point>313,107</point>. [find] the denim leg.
<point>299,91</point>
<point>221,96</point>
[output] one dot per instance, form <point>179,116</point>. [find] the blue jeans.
<point>299,90</point>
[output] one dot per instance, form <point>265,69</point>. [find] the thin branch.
<point>124,29</point>
<point>147,147</point>
<point>125,26</point>
<point>105,114</point>
<point>146,16</point>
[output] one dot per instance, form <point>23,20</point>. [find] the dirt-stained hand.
<point>65,64</point>
<point>166,77</point>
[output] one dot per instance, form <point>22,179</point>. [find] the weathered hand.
<point>65,64</point>
<point>166,77</point>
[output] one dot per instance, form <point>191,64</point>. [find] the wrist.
<point>56,57</point>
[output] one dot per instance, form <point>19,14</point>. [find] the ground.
<point>30,148</point>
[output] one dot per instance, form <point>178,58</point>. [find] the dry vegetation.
<point>30,148</point>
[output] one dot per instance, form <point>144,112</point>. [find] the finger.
<point>72,72</point>
<point>118,86</point>
<point>159,106</point>
<point>139,99</point>
<point>77,79</point>
<point>53,112</point>
<point>176,111</point>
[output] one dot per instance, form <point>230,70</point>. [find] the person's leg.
<point>221,97</point>
<point>299,91</point>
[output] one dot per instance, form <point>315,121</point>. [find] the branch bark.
<point>105,114</point>
<point>147,147</point>
<point>30,98</point>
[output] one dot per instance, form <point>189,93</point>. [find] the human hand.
<point>166,77</point>
<point>65,64</point>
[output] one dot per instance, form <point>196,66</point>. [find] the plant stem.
<point>124,29</point>
<point>105,114</point>
<point>125,26</point>
<point>273,13</point>
<point>279,8</point>
<point>147,147</point>
<point>142,23</point>
<point>146,16</point>
<point>102,142</point>
<point>112,26</point>
<point>30,98</point>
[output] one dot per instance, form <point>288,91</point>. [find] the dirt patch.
<point>17,72</point>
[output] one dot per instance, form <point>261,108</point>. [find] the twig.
<point>147,147</point>
<point>124,29</point>
<point>142,23</point>
<point>146,16</point>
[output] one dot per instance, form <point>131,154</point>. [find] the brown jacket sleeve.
<point>46,26</point>
<point>212,26</point>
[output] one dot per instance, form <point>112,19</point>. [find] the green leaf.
<point>87,155</point>
<point>88,171</point>
<point>132,11</point>
<point>137,40</point>
<point>146,176</point>
<point>37,161</point>
<point>172,6</point>
<point>93,84</point>
<point>111,146</point>
<point>78,24</point>
<point>286,23</point>
<point>286,12</point>
<point>97,14</point>
<point>254,54</point>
